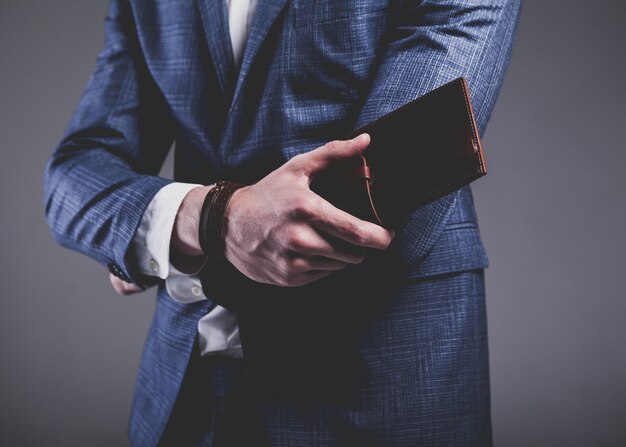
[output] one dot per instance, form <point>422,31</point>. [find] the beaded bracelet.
<point>212,218</point>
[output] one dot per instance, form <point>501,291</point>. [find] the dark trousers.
<point>215,407</point>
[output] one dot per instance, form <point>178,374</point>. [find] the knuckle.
<point>302,207</point>
<point>357,234</point>
<point>298,163</point>
<point>296,239</point>
<point>333,145</point>
<point>298,264</point>
<point>297,160</point>
<point>288,236</point>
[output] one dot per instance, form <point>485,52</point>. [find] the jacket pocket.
<point>458,249</point>
<point>459,246</point>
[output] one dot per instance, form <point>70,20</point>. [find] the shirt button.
<point>196,291</point>
<point>154,266</point>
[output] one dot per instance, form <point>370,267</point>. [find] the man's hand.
<point>123,288</point>
<point>279,232</point>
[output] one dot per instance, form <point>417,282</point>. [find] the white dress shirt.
<point>218,330</point>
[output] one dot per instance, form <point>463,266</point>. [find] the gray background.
<point>552,212</point>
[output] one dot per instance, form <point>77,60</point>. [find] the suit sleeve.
<point>430,43</point>
<point>103,175</point>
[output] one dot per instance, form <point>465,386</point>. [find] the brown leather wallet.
<point>418,153</point>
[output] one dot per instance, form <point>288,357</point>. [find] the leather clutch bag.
<point>418,153</point>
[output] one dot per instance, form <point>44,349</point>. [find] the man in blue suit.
<point>337,332</point>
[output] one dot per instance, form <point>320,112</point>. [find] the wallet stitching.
<point>462,84</point>
<point>472,127</point>
<point>371,199</point>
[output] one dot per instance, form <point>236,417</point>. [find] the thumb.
<point>321,158</point>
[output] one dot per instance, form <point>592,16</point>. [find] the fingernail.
<point>360,137</point>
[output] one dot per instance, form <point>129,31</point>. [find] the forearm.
<point>430,43</point>
<point>433,42</point>
<point>103,175</point>
<point>94,204</point>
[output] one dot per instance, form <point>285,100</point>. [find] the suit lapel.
<point>214,14</point>
<point>266,13</point>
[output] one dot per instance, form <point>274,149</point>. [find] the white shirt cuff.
<point>183,287</point>
<point>151,243</point>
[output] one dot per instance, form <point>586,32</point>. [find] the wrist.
<point>228,215</point>
<point>213,220</point>
<point>184,241</point>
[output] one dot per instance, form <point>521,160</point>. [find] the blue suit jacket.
<point>312,71</point>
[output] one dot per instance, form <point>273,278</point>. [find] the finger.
<point>311,244</point>
<point>308,277</point>
<point>351,229</point>
<point>123,288</point>
<point>317,263</point>
<point>333,151</point>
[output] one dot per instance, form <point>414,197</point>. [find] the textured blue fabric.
<point>312,71</point>
<point>406,362</point>
<point>420,384</point>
